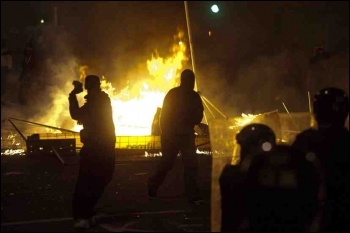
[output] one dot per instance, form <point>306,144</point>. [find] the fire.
<point>13,152</point>
<point>134,106</point>
<point>245,119</point>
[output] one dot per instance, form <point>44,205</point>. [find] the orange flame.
<point>134,107</point>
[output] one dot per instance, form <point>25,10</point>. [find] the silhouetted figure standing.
<point>253,139</point>
<point>182,110</point>
<point>97,156</point>
<point>330,143</point>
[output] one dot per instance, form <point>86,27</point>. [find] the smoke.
<point>116,39</point>
<point>47,93</point>
<point>271,80</point>
<point>116,46</point>
<point>130,74</point>
<point>214,86</point>
<point>266,83</point>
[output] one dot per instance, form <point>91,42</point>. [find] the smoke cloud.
<point>267,82</point>
<point>48,94</point>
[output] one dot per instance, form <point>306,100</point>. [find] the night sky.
<point>112,37</point>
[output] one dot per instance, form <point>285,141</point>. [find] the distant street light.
<point>215,8</point>
<point>42,21</point>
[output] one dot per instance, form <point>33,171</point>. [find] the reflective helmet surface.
<point>331,105</point>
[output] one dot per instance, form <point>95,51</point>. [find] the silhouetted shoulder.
<point>196,94</point>
<point>307,141</point>
<point>306,136</point>
<point>103,98</point>
<point>308,133</point>
<point>104,95</point>
<point>231,174</point>
<point>172,93</point>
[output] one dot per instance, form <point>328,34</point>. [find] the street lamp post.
<point>206,102</point>
<point>191,51</point>
<point>190,40</point>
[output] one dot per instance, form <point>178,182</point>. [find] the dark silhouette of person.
<point>155,124</point>
<point>282,191</point>
<point>270,188</point>
<point>253,139</point>
<point>97,156</point>
<point>330,143</point>
<point>182,110</point>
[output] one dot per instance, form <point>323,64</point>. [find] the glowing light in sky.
<point>215,8</point>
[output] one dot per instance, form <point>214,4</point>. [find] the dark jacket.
<point>96,116</point>
<point>182,110</point>
<point>332,148</point>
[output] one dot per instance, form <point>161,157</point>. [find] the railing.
<point>10,139</point>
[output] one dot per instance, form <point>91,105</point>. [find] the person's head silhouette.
<point>331,107</point>
<point>187,79</point>
<point>92,82</point>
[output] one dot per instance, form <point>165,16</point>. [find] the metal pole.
<point>290,116</point>
<point>312,119</point>
<point>309,99</point>
<point>20,133</point>
<point>47,126</point>
<point>205,117</point>
<point>191,50</point>
<point>58,156</point>
<point>214,107</point>
<point>190,41</point>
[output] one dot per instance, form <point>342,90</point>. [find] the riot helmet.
<point>257,137</point>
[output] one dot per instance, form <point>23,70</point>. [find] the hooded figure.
<point>182,110</point>
<point>97,158</point>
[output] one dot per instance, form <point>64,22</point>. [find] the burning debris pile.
<point>135,105</point>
